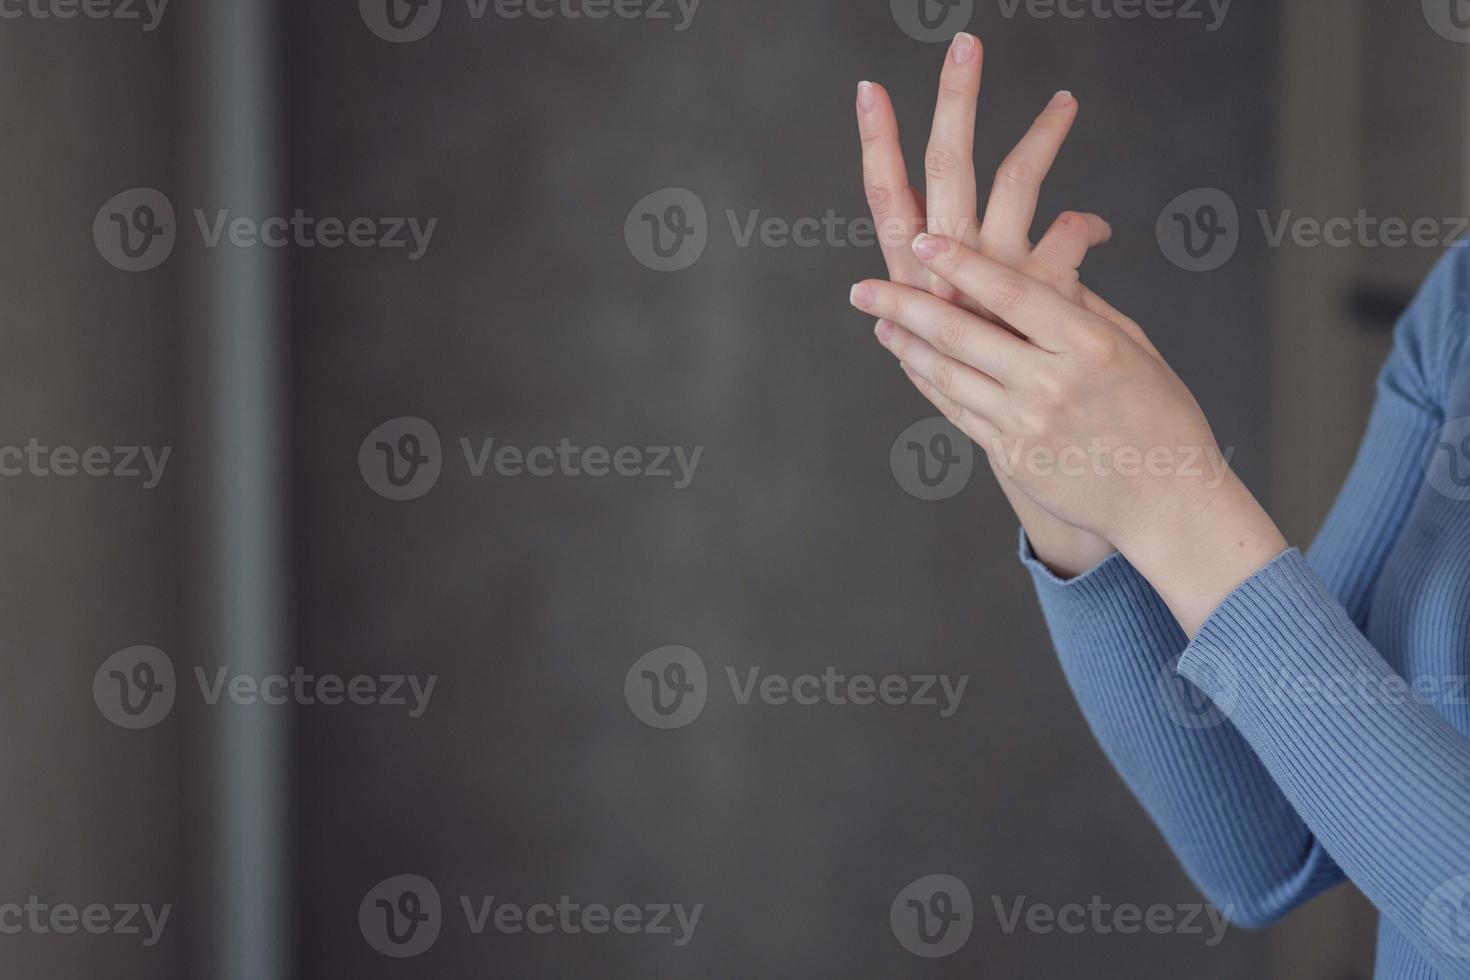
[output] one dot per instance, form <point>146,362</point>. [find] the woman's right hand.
<point>901,214</point>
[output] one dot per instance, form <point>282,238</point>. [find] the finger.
<point>1062,249</point>
<point>960,417</point>
<point>950,330</point>
<point>1028,305</point>
<point>896,212</point>
<point>951,378</point>
<point>949,163</point>
<point>1006,230</point>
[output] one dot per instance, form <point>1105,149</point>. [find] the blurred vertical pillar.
<point>238,380</point>
<point>1314,354</point>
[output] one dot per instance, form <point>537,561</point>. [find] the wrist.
<point>1195,550</point>
<point>1065,549</point>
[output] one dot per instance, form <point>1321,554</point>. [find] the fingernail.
<point>1062,98</point>
<point>861,296</point>
<point>883,330</point>
<point>963,47</point>
<point>926,246</point>
<point>866,96</point>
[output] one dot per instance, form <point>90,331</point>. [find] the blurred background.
<point>330,503</point>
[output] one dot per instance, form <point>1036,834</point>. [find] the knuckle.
<point>953,411</point>
<point>941,162</point>
<point>944,378</point>
<point>1050,389</point>
<point>1066,281</point>
<point>898,342</point>
<point>880,197</point>
<point>1033,424</point>
<point>1008,293</point>
<point>949,332</point>
<point>952,94</point>
<point>1098,345</point>
<point>1015,171</point>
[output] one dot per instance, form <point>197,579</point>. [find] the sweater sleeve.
<point>1378,775</point>
<point>1199,775</point>
<point>1381,779</point>
<point>1233,830</point>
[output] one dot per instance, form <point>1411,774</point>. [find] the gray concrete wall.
<point>794,549</point>
<point>93,814</point>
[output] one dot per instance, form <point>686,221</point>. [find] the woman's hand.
<point>901,214</point>
<point>1073,403</point>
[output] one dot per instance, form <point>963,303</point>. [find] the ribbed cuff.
<point>1102,578</point>
<point>1110,609</point>
<point>1280,626</point>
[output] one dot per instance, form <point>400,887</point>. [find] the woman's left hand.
<point>1078,408</point>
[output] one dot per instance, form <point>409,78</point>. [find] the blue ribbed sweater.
<point>1332,739</point>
